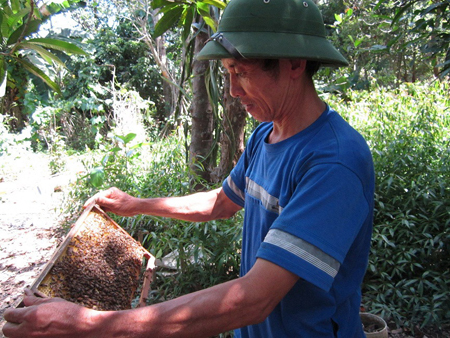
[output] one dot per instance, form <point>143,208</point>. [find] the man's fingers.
<point>88,202</point>
<point>31,299</point>
<point>9,330</point>
<point>100,197</point>
<point>14,315</point>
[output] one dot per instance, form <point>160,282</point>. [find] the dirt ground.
<point>30,220</point>
<point>30,226</point>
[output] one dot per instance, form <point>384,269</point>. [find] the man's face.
<point>262,93</point>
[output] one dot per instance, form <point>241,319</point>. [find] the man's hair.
<point>312,67</point>
<point>272,66</point>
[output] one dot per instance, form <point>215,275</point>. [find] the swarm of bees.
<point>100,268</point>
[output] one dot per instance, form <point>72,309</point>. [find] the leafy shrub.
<point>408,279</point>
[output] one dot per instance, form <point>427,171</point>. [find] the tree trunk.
<point>202,140</point>
<point>232,137</point>
<point>168,93</point>
<point>11,107</point>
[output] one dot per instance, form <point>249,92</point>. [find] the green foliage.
<point>115,165</point>
<point>93,90</point>
<point>431,26</point>
<point>387,42</point>
<point>19,20</point>
<point>408,130</point>
<point>182,13</point>
<point>119,53</point>
<point>56,148</point>
<point>205,254</point>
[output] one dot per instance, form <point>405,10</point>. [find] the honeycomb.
<point>99,266</point>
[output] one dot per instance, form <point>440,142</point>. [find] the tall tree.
<point>232,136</point>
<point>201,149</point>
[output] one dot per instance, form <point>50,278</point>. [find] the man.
<point>306,182</point>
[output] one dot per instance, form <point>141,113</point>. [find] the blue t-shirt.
<point>308,208</point>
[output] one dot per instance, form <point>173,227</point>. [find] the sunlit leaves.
<point>63,46</point>
<point>182,14</point>
<point>171,16</point>
<point>18,21</point>
<point>39,73</point>
<point>408,130</point>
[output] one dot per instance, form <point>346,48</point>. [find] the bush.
<point>408,279</point>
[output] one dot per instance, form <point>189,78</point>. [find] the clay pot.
<point>374,326</point>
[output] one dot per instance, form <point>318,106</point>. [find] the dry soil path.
<point>30,218</point>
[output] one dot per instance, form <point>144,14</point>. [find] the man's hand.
<point>115,201</point>
<point>47,317</point>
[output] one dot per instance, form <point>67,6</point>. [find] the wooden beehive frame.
<point>78,226</point>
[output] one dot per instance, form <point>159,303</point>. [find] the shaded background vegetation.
<point>125,102</point>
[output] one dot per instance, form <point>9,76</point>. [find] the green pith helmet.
<point>272,29</point>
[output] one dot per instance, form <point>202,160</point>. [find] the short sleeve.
<point>318,225</point>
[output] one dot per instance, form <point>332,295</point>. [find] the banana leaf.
<point>63,46</point>
<point>39,73</point>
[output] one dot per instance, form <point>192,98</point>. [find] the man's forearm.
<point>244,301</point>
<point>201,314</point>
<point>199,207</point>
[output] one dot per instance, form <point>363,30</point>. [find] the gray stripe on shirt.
<point>303,250</point>
<point>269,202</point>
<point>235,189</point>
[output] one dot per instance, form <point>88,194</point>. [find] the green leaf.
<point>358,42</point>
<point>39,73</point>
<point>210,22</point>
<point>127,138</point>
<point>168,20</point>
<point>63,46</point>
<point>18,18</point>
<point>160,3</point>
<point>15,5</point>
<point>115,150</point>
<point>188,17</point>
<point>203,10</point>
<point>400,12</point>
<point>216,3</point>
<point>97,176</point>
<point>49,57</point>
<point>32,27</point>
<point>378,5</point>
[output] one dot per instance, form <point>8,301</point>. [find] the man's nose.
<point>235,88</point>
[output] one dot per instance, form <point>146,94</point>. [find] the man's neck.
<point>301,115</point>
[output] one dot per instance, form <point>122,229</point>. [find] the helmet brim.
<point>276,45</point>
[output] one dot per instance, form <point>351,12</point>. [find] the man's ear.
<point>297,67</point>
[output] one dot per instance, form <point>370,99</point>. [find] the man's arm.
<point>199,207</point>
<point>237,303</point>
